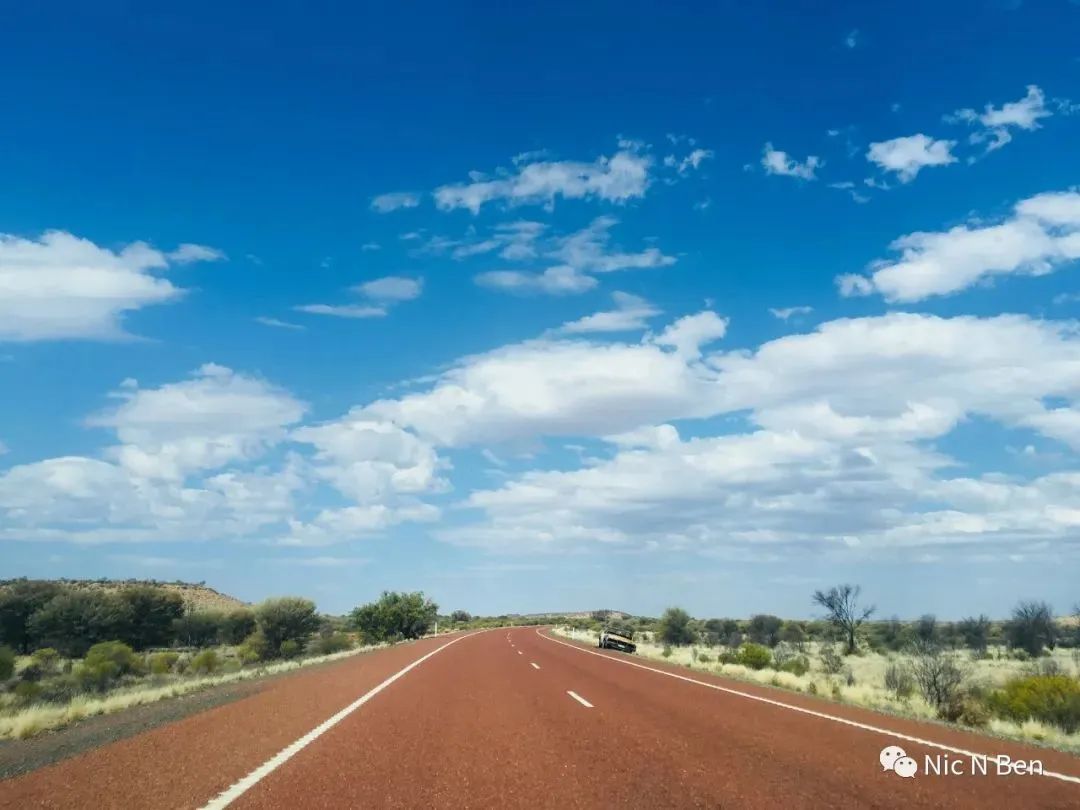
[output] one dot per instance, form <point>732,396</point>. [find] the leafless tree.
<point>845,612</point>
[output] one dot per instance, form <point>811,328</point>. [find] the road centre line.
<point>579,699</point>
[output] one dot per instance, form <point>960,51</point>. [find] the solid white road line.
<point>238,789</point>
<point>535,666</point>
<point>843,721</point>
<point>579,699</point>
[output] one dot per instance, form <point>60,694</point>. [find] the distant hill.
<point>196,596</point>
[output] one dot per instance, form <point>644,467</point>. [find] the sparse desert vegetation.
<point>1017,678</point>
<point>68,652</point>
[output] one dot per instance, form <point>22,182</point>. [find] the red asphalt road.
<point>478,725</point>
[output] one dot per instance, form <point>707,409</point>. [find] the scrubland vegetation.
<point>1018,678</point>
<point>68,651</point>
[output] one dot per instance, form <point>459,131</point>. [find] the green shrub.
<point>394,616</point>
<point>287,619</point>
<point>330,644</point>
<point>798,665</point>
<point>754,656</point>
<point>27,692</point>
<point>666,652</point>
<point>153,613</point>
<point>831,660</point>
<point>812,688</point>
<point>7,663</point>
<point>1053,699</point>
<point>290,648</point>
<point>704,658</point>
<point>199,628</point>
<point>73,621</point>
<point>47,659</point>
<point>236,625</point>
<point>162,663</point>
<point>205,663</point>
<point>61,689</point>
<point>899,681</point>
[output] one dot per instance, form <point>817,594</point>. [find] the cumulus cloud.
<point>208,421</point>
<point>62,287</point>
<point>1042,234</point>
<point>907,156</point>
<point>618,178</point>
<point>775,161</point>
<point>394,201</point>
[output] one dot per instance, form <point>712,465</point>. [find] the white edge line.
<point>534,665</point>
<point>1064,777</point>
<point>579,699</point>
<point>238,789</point>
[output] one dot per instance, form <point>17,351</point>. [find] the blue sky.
<point>618,306</point>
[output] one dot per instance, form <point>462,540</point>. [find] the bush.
<point>831,660</point>
<point>899,681</point>
<point>938,676</point>
<point>47,659</point>
<point>205,663</point>
<point>765,629</point>
<point>329,644</point>
<point>754,656</point>
<point>105,663</point>
<point>675,627</point>
<point>62,689</point>
<point>27,692</point>
<point>289,618</point>
<point>290,648</point>
<point>666,652</point>
<point>703,658</point>
<point>18,602</point>
<point>395,616</point>
<point>798,665</point>
<point>1053,699</point>
<point>7,663</point>
<point>162,663</point>
<point>1031,628</point>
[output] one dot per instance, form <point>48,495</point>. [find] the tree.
<point>460,617</point>
<point>939,677</point>
<point>18,602</point>
<point>975,632</point>
<point>844,611</point>
<point>153,612</point>
<point>74,621</point>
<point>794,635</point>
<point>765,629</point>
<point>199,628</point>
<point>926,629</point>
<point>1031,627</point>
<point>675,627</point>
<point>395,616</point>
<point>289,618</point>
<point>236,625</point>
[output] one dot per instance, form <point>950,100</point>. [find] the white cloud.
<point>278,324</point>
<point>188,253</point>
<point>692,161</point>
<point>997,122</point>
<point>369,247</point>
<point>395,200</point>
<point>786,313</point>
<point>1042,234</point>
<point>689,334</point>
<point>907,156</point>
<point>774,161</point>
<point>214,418</point>
<point>60,286</point>
<point>619,178</point>
<point>579,255</point>
<point>852,39</point>
<point>631,313</point>
<point>391,288</point>
<point>357,311</point>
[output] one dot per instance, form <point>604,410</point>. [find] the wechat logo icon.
<point>894,758</point>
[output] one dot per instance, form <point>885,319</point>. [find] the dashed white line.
<point>579,699</point>
<point>534,666</point>
<point>228,796</point>
<point>844,721</point>
<point>520,652</point>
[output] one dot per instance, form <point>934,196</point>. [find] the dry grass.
<point>868,688</point>
<point>48,716</point>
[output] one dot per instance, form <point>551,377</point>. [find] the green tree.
<point>460,616</point>
<point>198,628</point>
<point>844,611</point>
<point>18,602</point>
<point>289,618</point>
<point>794,635</point>
<point>1031,628</point>
<point>926,629</point>
<point>395,616</point>
<point>236,625</point>
<point>7,663</point>
<point>675,627</point>
<point>153,611</point>
<point>975,632</point>
<point>765,629</point>
<point>74,621</point>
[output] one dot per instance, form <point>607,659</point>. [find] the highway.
<point>519,718</point>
